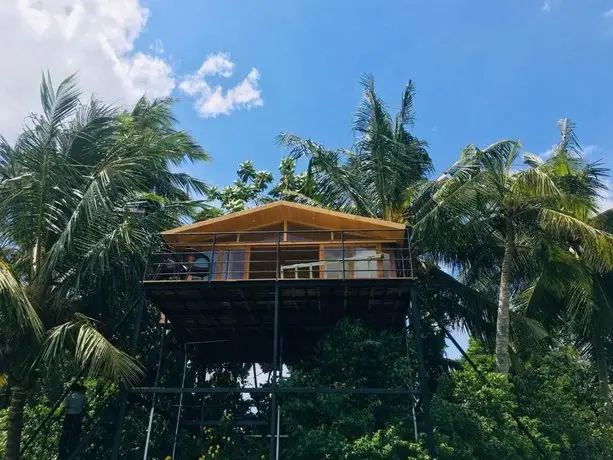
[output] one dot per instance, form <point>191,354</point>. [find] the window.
<point>359,262</point>
<point>233,264</point>
<point>389,271</point>
<point>365,263</point>
<point>333,269</point>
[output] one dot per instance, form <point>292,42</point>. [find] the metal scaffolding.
<point>388,302</point>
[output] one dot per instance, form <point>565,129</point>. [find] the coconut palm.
<point>571,293</point>
<point>372,179</point>
<point>379,178</point>
<point>82,191</point>
<point>500,213</point>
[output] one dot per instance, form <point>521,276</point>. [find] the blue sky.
<point>483,70</point>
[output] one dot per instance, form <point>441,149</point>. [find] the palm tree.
<point>380,178</point>
<point>82,191</point>
<point>372,180</point>
<point>572,292</point>
<point>484,203</point>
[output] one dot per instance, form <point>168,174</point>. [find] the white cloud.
<point>212,100</point>
<point>585,151</point>
<point>590,150</point>
<point>608,13</point>
<point>94,37</point>
<point>546,6</point>
<point>547,153</point>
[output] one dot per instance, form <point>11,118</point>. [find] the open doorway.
<point>294,262</point>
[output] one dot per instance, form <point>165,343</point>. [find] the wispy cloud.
<point>608,13</point>
<point>590,150</point>
<point>549,5</point>
<point>585,151</point>
<point>213,100</point>
<point>157,46</point>
<point>547,153</point>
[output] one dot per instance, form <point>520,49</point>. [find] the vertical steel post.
<point>214,259</point>
<point>343,252</point>
<point>273,394</point>
<point>124,390</point>
<point>155,384</point>
<point>280,378</point>
<point>409,237</point>
<point>278,260</point>
<point>421,366</point>
<point>278,435</point>
<point>180,409</point>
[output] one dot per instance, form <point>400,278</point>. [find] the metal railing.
<point>283,255</point>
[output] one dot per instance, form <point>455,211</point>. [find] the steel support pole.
<point>278,435</point>
<point>180,409</point>
<point>213,263</point>
<point>421,366</point>
<point>153,397</point>
<point>407,327</point>
<point>343,253</point>
<point>123,404</point>
<point>273,395</point>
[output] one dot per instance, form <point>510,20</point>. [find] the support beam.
<point>180,408</point>
<point>157,379</point>
<point>423,383</point>
<point>123,404</point>
<point>278,390</point>
<point>275,359</point>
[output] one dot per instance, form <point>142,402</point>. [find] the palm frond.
<point>406,115</point>
<point>459,304</point>
<point>91,351</point>
<point>59,105</point>
<point>14,302</point>
<point>597,244</point>
<point>533,182</point>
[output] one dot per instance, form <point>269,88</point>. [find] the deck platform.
<point>237,317</point>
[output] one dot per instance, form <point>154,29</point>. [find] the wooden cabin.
<point>264,286</point>
<point>282,241</point>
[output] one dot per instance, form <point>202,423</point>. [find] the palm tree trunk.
<point>600,356</point>
<point>15,423</point>
<point>502,319</point>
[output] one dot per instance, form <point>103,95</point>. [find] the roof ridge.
<point>288,204</point>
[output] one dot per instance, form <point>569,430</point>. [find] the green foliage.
<point>555,399</point>
<point>339,426</point>
<point>473,419</point>
<point>254,187</point>
<point>558,390</point>
<point>387,444</point>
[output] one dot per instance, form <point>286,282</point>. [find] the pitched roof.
<point>280,211</point>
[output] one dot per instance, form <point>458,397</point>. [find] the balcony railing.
<point>283,255</point>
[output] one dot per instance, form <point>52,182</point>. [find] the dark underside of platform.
<point>237,317</point>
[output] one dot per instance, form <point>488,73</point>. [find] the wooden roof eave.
<point>250,219</point>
